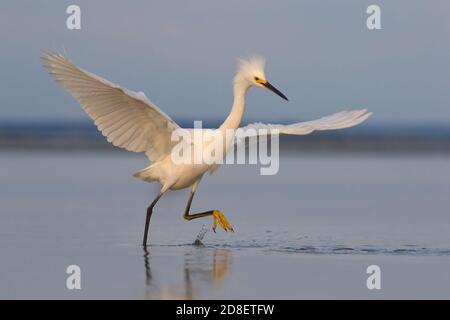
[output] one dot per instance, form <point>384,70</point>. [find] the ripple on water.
<point>281,247</point>
<point>308,245</point>
<point>419,251</point>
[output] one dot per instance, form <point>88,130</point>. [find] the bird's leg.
<point>218,216</point>
<point>147,220</point>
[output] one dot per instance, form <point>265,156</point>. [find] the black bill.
<point>275,90</point>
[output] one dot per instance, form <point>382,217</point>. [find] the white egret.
<point>131,121</point>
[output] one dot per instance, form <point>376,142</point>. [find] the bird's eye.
<point>256,78</point>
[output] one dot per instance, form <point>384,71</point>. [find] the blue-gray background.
<point>182,54</point>
<point>309,231</point>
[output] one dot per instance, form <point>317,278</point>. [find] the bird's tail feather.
<point>146,174</point>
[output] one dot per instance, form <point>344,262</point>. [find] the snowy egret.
<point>131,121</point>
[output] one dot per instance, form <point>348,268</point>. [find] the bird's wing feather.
<point>340,120</point>
<point>128,119</point>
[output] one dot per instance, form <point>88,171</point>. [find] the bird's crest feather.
<point>254,65</point>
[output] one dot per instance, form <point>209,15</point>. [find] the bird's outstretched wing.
<point>127,118</point>
<point>340,120</point>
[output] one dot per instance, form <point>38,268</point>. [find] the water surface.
<point>308,232</point>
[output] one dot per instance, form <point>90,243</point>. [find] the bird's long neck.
<point>237,110</point>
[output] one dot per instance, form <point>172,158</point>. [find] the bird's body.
<point>131,121</point>
<point>177,176</point>
<point>172,175</point>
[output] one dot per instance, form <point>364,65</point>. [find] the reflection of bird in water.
<point>201,266</point>
<point>221,264</point>
<point>131,121</point>
<point>148,273</point>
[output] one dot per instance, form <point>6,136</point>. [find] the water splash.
<point>198,240</point>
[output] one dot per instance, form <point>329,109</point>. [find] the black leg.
<point>147,220</point>
<point>218,216</point>
<point>193,216</point>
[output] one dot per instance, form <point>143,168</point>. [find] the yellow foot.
<point>219,217</point>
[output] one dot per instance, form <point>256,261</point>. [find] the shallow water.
<point>308,232</point>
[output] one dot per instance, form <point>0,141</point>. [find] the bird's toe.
<point>218,217</point>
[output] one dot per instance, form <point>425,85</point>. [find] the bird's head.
<point>251,73</point>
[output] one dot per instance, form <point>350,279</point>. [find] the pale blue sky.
<point>182,55</point>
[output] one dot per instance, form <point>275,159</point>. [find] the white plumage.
<point>126,118</point>
<point>131,121</point>
<point>340,120</point>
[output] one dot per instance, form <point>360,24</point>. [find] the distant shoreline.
<point>287,144</point>
<point>392,138</point>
